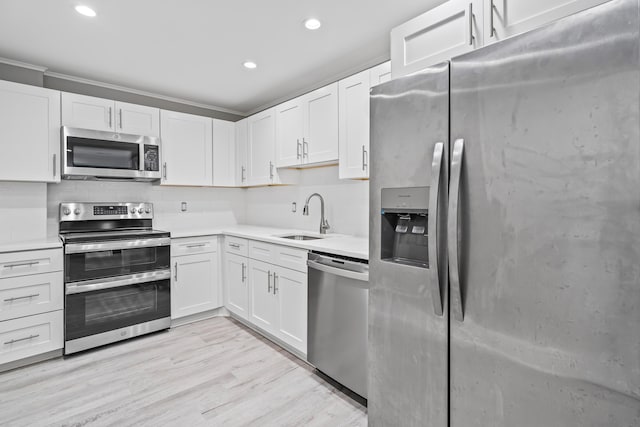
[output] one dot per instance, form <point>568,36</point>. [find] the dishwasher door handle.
<point>339,271</point>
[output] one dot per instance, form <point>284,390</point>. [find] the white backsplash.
<point>346,203</point>
<point>206,207</point>
<point>23,211</point>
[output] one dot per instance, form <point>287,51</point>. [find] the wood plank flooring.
<point>215,372</point>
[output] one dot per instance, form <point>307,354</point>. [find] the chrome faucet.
<point>324,225</point>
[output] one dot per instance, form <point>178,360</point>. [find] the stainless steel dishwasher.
<point>338,323</point>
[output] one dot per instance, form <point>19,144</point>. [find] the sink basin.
<point>300,237</point>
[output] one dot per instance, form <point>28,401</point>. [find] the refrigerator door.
<point>408,353</point>
<point>546,226</point>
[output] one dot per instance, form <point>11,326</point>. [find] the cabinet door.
<point>194,284</point>
<point>320,143</point>
<point>380,73</point>
<point>354,126</point>
<point>241,153</point>
<point>506,18</point>
<point>291,289</point>
<point>443,32</point>
<point>236,290</point>
<point>224,153</point>
<point>186,149</point>
<point>289,133</point>
<point>261,132</point>
<point>88,112</point>
<point>29,133</point>
<point>263,308</point>
<point>137,119</point>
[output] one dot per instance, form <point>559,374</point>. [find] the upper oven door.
<point>86,261</point>
<point>90,153</point>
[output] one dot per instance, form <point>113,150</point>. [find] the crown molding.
<point>22,64</point>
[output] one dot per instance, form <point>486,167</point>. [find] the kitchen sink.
<point>300,237</point>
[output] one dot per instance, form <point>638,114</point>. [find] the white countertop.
<point>31,245</point>
<point>339,244</point>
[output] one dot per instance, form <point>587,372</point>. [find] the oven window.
<point>104,310</point>
<point>93,153</point>
<point>96,265</point>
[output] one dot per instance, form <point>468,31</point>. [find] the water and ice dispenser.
<point>404,234</point>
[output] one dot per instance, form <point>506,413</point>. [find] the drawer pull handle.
<point>234,245</point>
<point>22,264</point>
<point>24,297</point>
<point>199,245</point>
<point>30,337</point>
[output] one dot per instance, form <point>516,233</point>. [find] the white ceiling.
<point>194,49</point>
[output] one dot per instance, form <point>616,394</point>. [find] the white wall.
<point>346,203</point>
<point>206,207</point>
<point>23,211</point>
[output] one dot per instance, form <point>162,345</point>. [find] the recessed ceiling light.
<point>312,24</point>
<point>250,65</point>
<point>85,10</point>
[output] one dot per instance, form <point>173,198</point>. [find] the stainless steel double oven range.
<point>116,273</point>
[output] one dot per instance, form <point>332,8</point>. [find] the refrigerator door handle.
<point>434,194</point>
<point>452,230</point>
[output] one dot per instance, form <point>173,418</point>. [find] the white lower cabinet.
<point>31,304</point>
<point>236,290</point>
<point>194,276</point>
<point>264,303</point>
<point>266,285</point>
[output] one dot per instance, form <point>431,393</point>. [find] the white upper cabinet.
<point>89,112</point>
<point>354,125</point>
<point>320,142</point>
<point>506,18</point>
<point>380,73</point>
<point>241,152</point>
<point>224,153</point>
<point>307,128</point>
<point>448,30</point>
<point>137,119</point>
<point>30,133</point>
<point>289,133</point>
<point>186,149</point>
<point>261,149</point>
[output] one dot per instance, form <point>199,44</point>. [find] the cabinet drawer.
<point>236,245</point>
<point>33,294</point>
<point>262,251</point>
<point>194,245</point>
<point>14,264</point>
<point>30,336</point>
<point>293,258</point>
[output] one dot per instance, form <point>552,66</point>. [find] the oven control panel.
<point>89,211</point>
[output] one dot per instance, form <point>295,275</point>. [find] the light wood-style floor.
<point>214,372</point>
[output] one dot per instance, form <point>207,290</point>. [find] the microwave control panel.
<point>151,157</point>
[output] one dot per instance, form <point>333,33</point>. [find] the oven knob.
<point>133,210</point>
<point>147,210</point>
<point>76,211</point>
<point>66,211</point>
<point>140,210</point>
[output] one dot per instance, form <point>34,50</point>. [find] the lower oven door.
<point>99,312</point>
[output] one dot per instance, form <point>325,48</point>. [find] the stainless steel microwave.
<point>91,154</point>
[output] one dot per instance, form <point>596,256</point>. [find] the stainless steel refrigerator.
<point>505,232</point>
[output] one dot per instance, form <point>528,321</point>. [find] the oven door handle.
<point>116,282</point>
<point>78,248</point>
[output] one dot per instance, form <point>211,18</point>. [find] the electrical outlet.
<point>294,207</point>
<point>183,206</point>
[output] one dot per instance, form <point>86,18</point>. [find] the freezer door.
<point>546,226</point>
<point>408,353</point>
